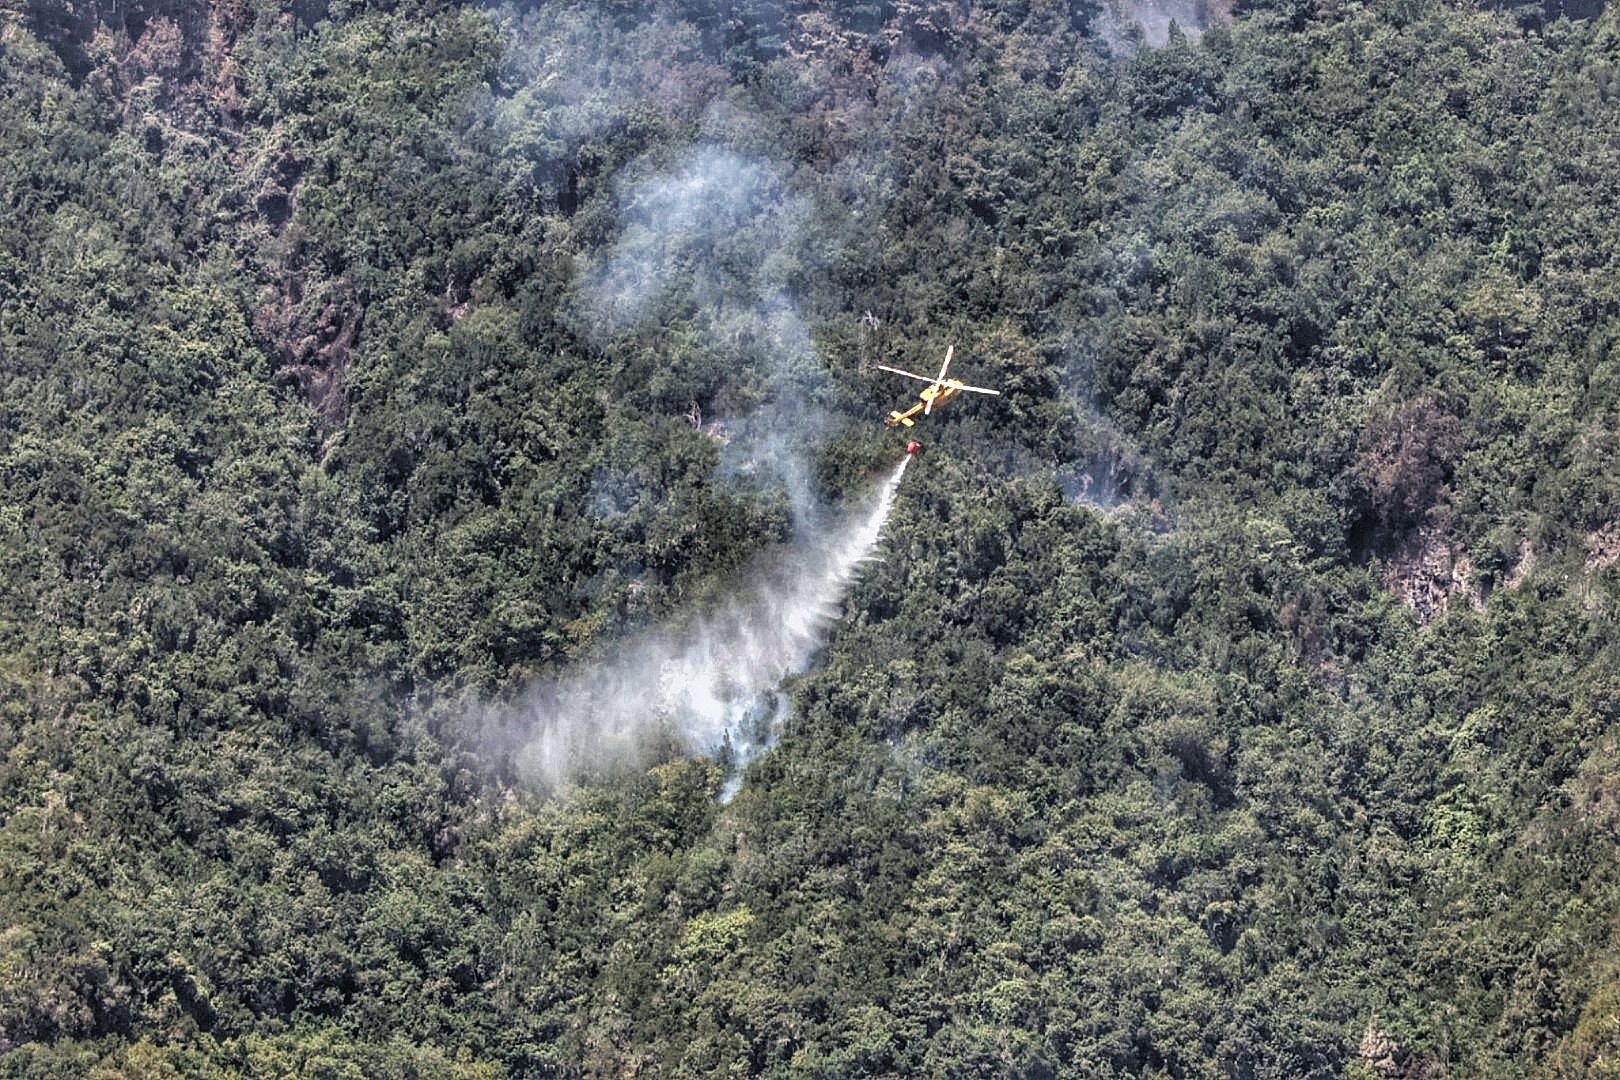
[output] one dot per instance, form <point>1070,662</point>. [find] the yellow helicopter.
<point>938,392</point>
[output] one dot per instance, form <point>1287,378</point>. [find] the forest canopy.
<point>1235,695</point>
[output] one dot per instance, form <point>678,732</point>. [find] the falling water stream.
<point>715,683</point>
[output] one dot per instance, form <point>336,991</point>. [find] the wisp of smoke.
<point>720,228</point>
<point>717,240</point>
<point>1153,18</point>
<point>713,686</point>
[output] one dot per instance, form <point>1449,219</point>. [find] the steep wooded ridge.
<point>1238,696</point>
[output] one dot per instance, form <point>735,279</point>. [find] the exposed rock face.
<point>1603,548</point>
<point>312,339</point>
<point>174,55</point>
<point>278,196</point>
<point>1379,1052</point>
<point>1521,569</point>
<point>1428,571</point>
<point>1402,478</point>
<point>1386,1058</point>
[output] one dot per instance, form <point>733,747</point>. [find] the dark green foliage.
<point>326,429</point>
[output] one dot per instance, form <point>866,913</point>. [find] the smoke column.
<point>714,684</point>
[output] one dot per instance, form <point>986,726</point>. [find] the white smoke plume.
<point>718,240</point>
<point>715,224</point>
<point>1151,19</point>
<point>714,685</point>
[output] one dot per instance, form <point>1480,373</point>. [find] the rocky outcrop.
<point>311,339</point>
<point>1429,571</point>
<point>1603,548</point>
<point>1384,1057</point>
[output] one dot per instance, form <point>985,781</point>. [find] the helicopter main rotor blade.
<point>979,390</point>
<point>907,374</point>
<point>951,348</point>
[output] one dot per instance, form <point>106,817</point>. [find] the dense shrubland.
<point>321,435</point>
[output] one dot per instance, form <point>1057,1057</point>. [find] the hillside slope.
<point>1236,695</point>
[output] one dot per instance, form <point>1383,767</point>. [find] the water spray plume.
<point>714,685</point>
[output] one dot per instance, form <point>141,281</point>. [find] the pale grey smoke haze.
<point>720,229</point>
<point>1153,18</point>
<point>717,240</point>
<point>714,682</point>
<point>578,73</point>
